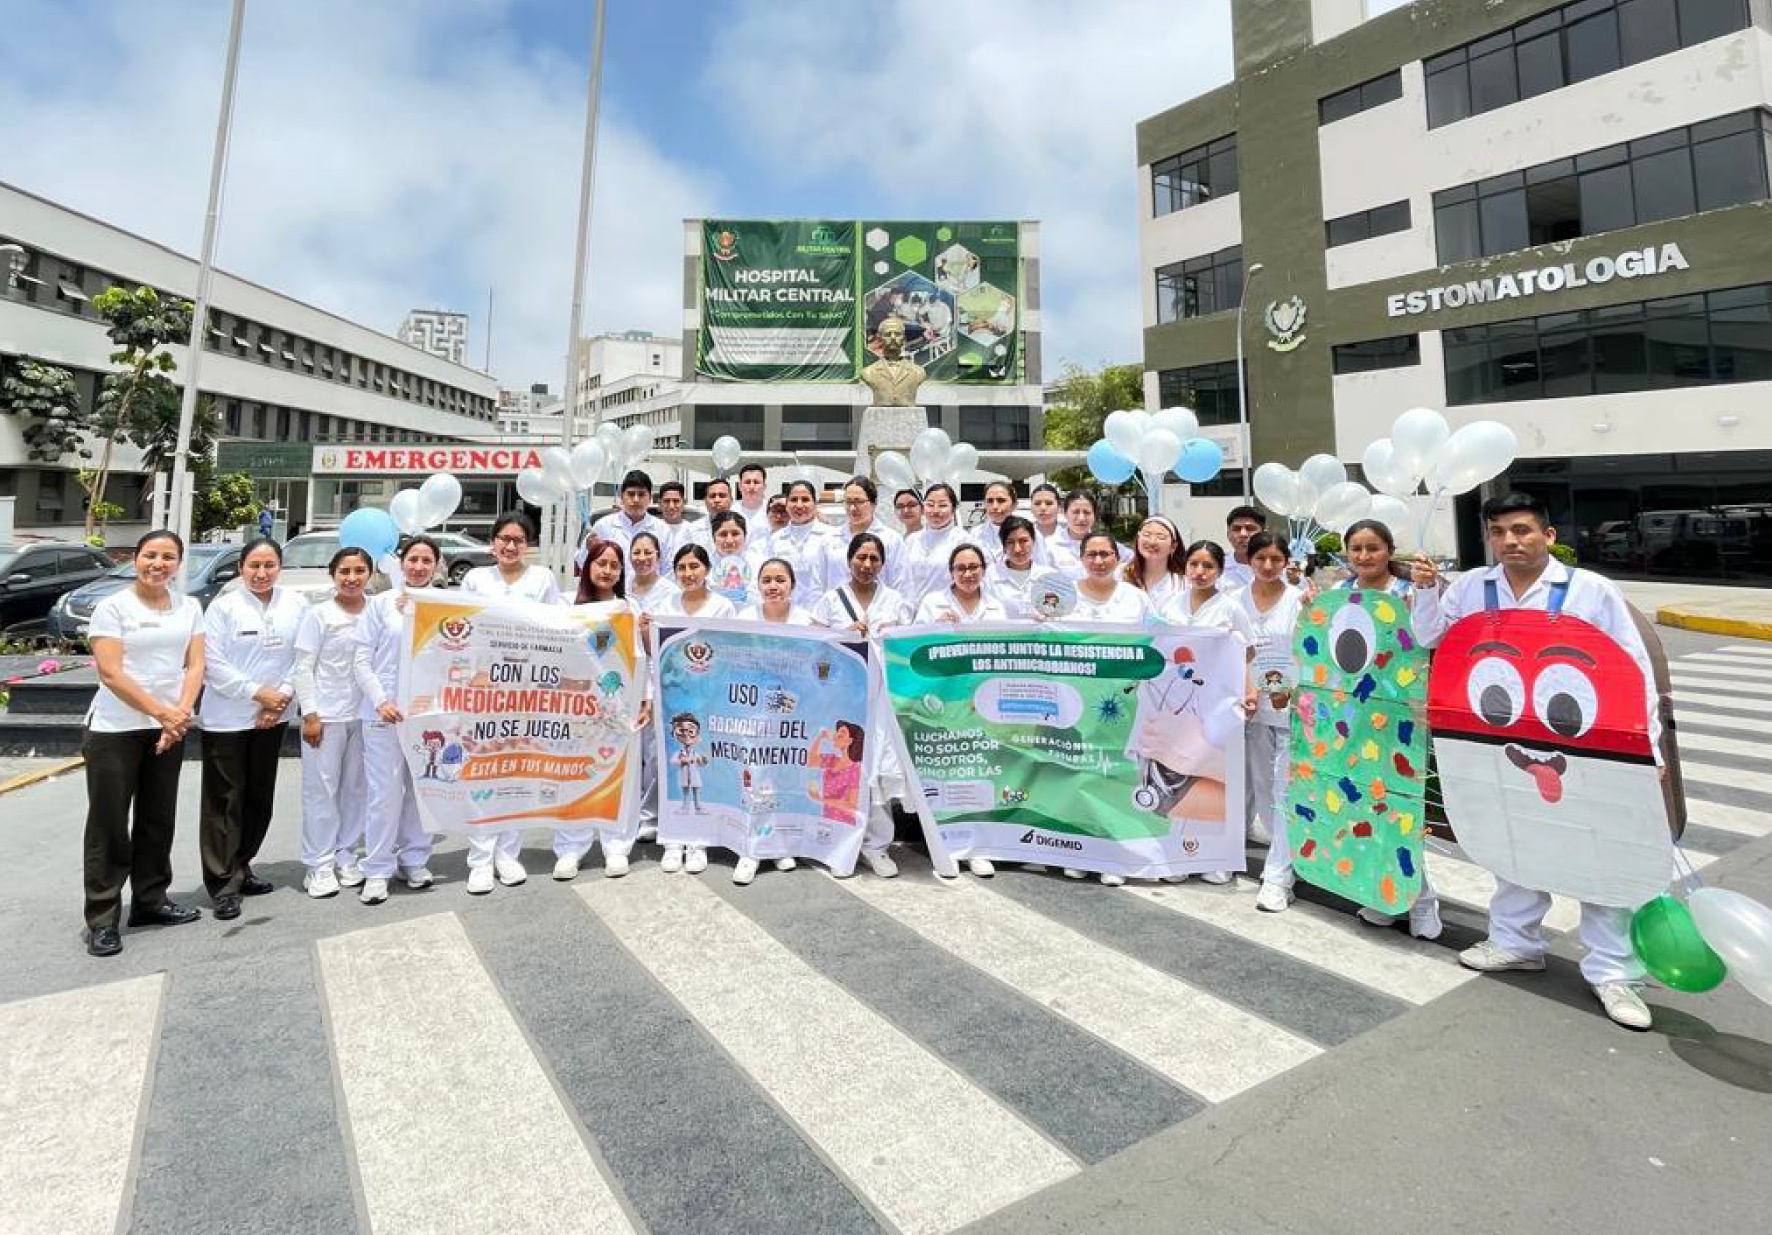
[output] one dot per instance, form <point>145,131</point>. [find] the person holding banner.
<point>1157,566</point>
<point>802,543</point>
<point>332,778</point>
<point>647,588</point>
<point>907,504</point>
<point>1102,595</point>
<point>860,504</point>
<point>733,573</point>
<point>1013,578</point>
<point>927,552</point>
<point>248,685</point>
<point>1270,606</point>
<point>394,841</point>
<point>496,858</point>
<point>692,599</point>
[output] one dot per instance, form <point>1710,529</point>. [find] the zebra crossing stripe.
<point>1724,777</point>
<point>73,1082</point>
<point>1752,666</point>
<point>1409,969</point>
<point>455,1124</point>
<point>1690,740</point>
<point>1717,678</point>
<point>1758,651</point>
<point>927,1149</point>
<point>1693,702</point>
<point>1729,818</point>
<point>1196,1040</point>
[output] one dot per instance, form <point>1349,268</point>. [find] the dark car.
<point>211,567</point>
<point>461,553</point>
<point>33,576</point>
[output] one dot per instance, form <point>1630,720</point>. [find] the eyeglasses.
<point>514,541</point>
<point>1097,555</point>
<point>855,501</point>
<point>966,568</point>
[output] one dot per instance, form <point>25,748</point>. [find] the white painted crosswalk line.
<point>1728,818</point>
<point>1756,748</point>
<point>1759,651</point>
<point>1469,884</point>
<point>72,1080</point>
<point>917,1140</point>
<point>1725,777</point>
<point>1747,666</point>
<point>455,1124</point>
<point>1410,969</point>
<point>1695,703</point>
<point>1715,677</point>
<point>1200,1042</point>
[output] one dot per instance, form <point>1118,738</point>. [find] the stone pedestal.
<point>887,428</point>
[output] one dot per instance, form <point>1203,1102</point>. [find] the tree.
<point>47,399</point>
<point>225,501</point>
<point>141,396</point>
<point>155,430</point>
<point>1084,401</point>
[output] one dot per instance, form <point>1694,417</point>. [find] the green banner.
<point>778,301</point>
<point>956,286</point>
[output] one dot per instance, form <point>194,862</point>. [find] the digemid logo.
<point>1031,837</point>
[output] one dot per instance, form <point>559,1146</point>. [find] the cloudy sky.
<point>408,153</point>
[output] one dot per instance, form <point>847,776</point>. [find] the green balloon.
<point>1666,940</point>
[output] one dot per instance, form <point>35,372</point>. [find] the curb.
<point>30,778</point>
<point>1692,619</point>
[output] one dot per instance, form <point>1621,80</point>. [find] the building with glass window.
<point>1555,215</point>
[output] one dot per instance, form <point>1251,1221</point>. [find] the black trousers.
<point>239,784</point>
<point>122,770</point>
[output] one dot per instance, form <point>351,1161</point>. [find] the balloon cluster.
<point>1153,444</point>
<point>561,474</point>
<point>934,458</point>
<point>1693,945</point>
<point>411,511</point>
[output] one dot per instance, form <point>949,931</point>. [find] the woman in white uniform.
<point>999,504</point>
<point>1102,595</point>
<point>926,552</point>
<point>1080,516</point>
<point>497,858</point>
<point>907,504</point>
<point>870,608</point>
<point>394,841</point>
<point>776,587</point>
<point>147,642</point>
<point>1046,505</point>
<point>1271,607</point>
<point>803,543</point>
<point>692,598</point>
<point>647,588</point>
<point>332,779</point>
<point>1015,577</point>
<point>861,514</point>
<point>1156,565</point>
<point>248,685</point>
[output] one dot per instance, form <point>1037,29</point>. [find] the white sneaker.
<point>1424,919</point>
<point>1217,878</point>
<point>696,860</point>
<point>1375,917</point>
<point>672,862</point>
<point>566,869</point>
<point>417,877</point>
<point>1258,832</point>
<point>480,880</point>
<point>1487,956</point>
<point>350,875</point>
<point>1273,897</point>
<point>374,892</point>
<point>982,867</point>
<point>785,864</point>
<point>1112,881</point>
<point>1624,1005</point>
<point>615,865</point>
<point>745,871</point>
<point>1181,878</point>
<point>1071,872</point>
<point>881,863</point>
<point>510,872</point>
<point>321,882</point>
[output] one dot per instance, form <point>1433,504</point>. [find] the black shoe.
<point>252,885</point>
<point>165,914</point>
<point>227,908</point>
<point>103,941</point>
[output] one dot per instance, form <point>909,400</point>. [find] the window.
<point>1364,224</point>
<point>811,428</point>
<point>1200,286</point>
<point>742,421</point>
<point>1194,176</point>
<point>1396,352</point>
<point>1210,389</point>
<point>1721,162</point>
<point>1567,45</point>
<point>1679,341</point>
<point>1363,97</point>
<point>996,428</point>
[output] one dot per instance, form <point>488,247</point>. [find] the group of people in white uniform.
<point>262,657</point>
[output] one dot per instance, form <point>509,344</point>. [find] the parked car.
<point>305,559</point>
<point>209,570</point>
<point>461,553</point>
<point>34,575</point>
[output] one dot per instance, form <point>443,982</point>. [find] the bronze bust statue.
<point>892,378</point>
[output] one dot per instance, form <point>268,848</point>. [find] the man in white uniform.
<point>678,531</point>
<point>752,504</point>
<point>1239,527</point>
<point>1525,576</point>
<point>624,524</point>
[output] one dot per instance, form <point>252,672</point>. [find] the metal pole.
<point>487,368</point>
<point>187,410</point>
<point>561,550</point>
<point>1243,444</point>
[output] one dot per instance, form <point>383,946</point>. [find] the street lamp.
<point>1242,383</point>
<point>16,261</point>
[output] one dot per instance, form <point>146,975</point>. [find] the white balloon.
<point>929,454</point>
<point>1276,487</point>
<point>727,452</point>
<point>610,436</point>
<point>1125,430</point>
<point>636,441</point>
<point>556,465</point>
<point>1738,929</point>
<point>1477,452</point>
<point>534,487</point>
<point>1382,473</point>
<point>1158,452</point>
<point>1323,472</point>
<point>441,495</point>
<point>1180,421</point>
<point>588,461</point>
<point>389,565</point>
<point>408,511</point>
<point>894,470</point>
<point>1416,436</point>
<point>963,458</point>
<point>1341,505</point>
<point>1393,512</point>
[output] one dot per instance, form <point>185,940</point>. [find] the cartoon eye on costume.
<point>1496,692</point>
<point>1352,639</point>
<point>1565,700</point>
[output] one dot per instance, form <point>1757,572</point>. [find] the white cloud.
<point>403,154</point>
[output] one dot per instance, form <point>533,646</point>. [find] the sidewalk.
<point>1735,612</point>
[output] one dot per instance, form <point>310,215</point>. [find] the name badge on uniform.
<point>271,642</point>
<point>246,634</point>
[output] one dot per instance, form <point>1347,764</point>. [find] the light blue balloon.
<point>1107,464</point>
<point>1200,460</point>
<point>370,530</point>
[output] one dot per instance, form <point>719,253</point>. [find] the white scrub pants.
<point>576,842</point>
<point>1265,751</point>
<point>392,835</point>
<point>333,789</point>
<point>483,846</point>
<point>1516,920</point>
<point>889,781</point>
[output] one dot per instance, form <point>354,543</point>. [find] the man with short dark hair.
<point>753,478</point>
<point>632,518</point>
<point>1240,527</point>
<point>1526,576</point>
<point>678,530</point>
<point>716,497</point>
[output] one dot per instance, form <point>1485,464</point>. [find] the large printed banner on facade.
<point>1106,748</point>
<point>778,301</point>
<point>802,300</point>
<point>519,714</point>
<point>762,739</point>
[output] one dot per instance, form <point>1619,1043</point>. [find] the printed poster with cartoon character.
<point>1106,748</point>
<point>763,746</point>
<point>520,714</point>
